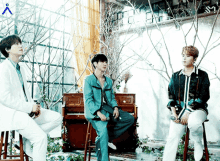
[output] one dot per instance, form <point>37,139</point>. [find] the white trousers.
<point>195,121</point>
<point>37,129</point>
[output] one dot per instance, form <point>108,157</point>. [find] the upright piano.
<point>75,123</point>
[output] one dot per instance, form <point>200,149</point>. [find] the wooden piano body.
<point>75,123</point>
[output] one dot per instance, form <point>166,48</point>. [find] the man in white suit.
<point>16,103</point>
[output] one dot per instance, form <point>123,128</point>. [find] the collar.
<point>97,78</point>
<point>97,81</point>
<point>12,62</point>
<point>195,70</point>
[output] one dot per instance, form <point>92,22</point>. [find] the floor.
<point>138,155</point>
<point>214,150</point>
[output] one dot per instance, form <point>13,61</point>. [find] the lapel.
<point>13,71</point>
<point>98,83</point>
<point>15,79</point>
<point>105,84</point>
<point>24,81</point>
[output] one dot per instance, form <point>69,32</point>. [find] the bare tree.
<point>111,31</point>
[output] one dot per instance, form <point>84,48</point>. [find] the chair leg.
<point>205,143</point>
<point>21,148</point>
<point>86,143</point>
<point>186,145</point>
<point>5,147</point>
<point>90,140</point>
<point>1,144</point>
<point>26,157</point>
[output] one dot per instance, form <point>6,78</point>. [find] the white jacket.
<point>12,98</point>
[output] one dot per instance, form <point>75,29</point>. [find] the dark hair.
<point>99,58</point>
<point>191,50</point>
<point>7,42</point>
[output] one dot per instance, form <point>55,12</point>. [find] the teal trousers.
<point>104,135</point>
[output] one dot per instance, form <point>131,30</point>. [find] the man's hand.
<point>36,108</point>
<point>102,117</point>
<point>37,114</point>
<point>175,115</point>
<point>116,113</point>
<point>184,119</point>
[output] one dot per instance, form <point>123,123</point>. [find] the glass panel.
<point>69,76</point>
<point>6,26</point>
<point>29,85</point>
<point>55,20</point>
<point>44,17</point>
<point>41,55</point>
<point>57,107</point>
<point>67,25</point>
<point>57,39</point>
<point>28,53</point>
<point>56,56</point>
<point>38,90</point>
<point>26,12</point>
<point>41,73</point>
<point>26,32</point>
<point>68,59</point>
<point>70,89</point>
<point>44,37</point>
<point>68,42</point>
<point>59,23</point>
<point>56,74</point>
<point>27,69</point>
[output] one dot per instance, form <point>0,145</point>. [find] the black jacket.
<point>198,96</point>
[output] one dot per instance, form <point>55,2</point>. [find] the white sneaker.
<point>198,151</point>
<point>27,147</point>
<point>112,146</point>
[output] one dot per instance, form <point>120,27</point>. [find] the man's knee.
<point>59,119</point>
<point>196,128</point>
<point>104,133</point>
<point>132,120</point>
<point>41,138</point>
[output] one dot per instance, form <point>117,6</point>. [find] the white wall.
<point>151,88</point>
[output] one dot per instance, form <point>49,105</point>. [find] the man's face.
<point>102,66</point>
<point>16,49</point>
<point>187,59</point>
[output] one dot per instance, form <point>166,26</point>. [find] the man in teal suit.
<point>101,107</point>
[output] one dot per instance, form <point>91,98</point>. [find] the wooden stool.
<point>187,143</point>
<point>88,144</point>
<point>4,153</point>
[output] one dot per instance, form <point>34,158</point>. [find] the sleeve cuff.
<point>117,107</point>
<point>95,111</point>
<point>189,110</point>
<point>198,100</point>
<point>30,107</point>
<point>171,103</point>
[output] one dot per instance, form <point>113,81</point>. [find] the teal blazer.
<point>93,96</point>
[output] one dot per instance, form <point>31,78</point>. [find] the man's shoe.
<point>198,151</point>
<point>112,146</point>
